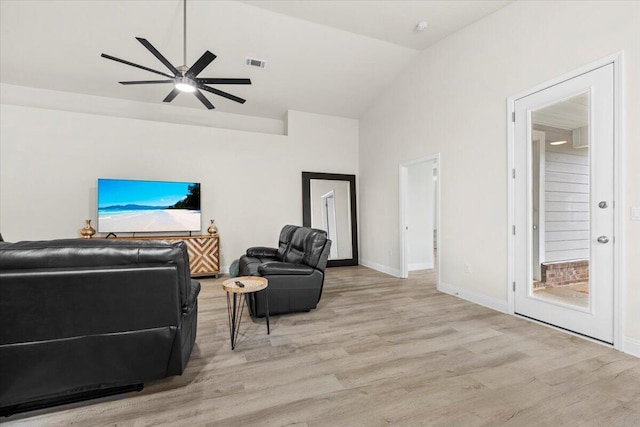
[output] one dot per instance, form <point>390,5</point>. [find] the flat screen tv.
<point>131,206</point>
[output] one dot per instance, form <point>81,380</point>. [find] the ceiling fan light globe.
<point>185,85</point>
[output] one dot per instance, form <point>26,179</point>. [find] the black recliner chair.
<point>295,270</point>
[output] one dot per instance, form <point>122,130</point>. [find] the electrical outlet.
<point>390,253</point>
<point>467,268</point>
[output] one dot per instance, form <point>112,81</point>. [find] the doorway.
<point>329,222</point>
<point>419,182</point>
<point>564,204</point>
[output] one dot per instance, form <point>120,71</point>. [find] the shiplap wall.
<point>566,207</point>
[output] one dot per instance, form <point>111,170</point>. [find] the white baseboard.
<point>492,303</point>
<point>631,346</point>
<point>381,268</point>
<point>421,266</point>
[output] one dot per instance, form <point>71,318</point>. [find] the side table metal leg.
<point>231,318</point>
<point>235,317</point>
<point>266,303</point>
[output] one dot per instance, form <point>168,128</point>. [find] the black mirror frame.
<point>306,211</point>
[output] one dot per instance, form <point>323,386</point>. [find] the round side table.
<point>238,286</point>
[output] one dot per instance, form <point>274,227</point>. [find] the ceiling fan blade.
<point>113,58</point>
<point>200,64</point>
<point>158,55</point>
<point>223,81</point>
<point>203,99</point>
<point>145,82</point>
<point>221,93</point>
<point>171,95</point>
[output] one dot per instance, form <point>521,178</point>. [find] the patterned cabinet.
<point>204,252</point>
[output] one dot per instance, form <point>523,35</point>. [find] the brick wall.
<point>565,273</point>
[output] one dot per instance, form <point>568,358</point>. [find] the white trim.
<point>381,268</point>
<point>402,187</point>
<point>631,346</point>
<point>402,220</point>
<point>489,302</point>
<point>421,266</point>
<point>511,217</point>
<point>618,280</point>
<point>619,283</point>
<point>611,59</point>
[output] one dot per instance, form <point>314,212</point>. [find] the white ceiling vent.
<point>253,62</point>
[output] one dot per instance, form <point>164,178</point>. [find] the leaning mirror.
<point>329,203</point>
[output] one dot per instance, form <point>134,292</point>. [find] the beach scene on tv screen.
<point>152,206</point>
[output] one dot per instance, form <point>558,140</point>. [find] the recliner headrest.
<point>285,238</point>
<point>306,246</point>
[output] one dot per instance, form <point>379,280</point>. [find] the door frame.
<point>402,191</point>
<point>328,219</point>
<point>619,202</point>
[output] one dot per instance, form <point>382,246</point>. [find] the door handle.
<point>603,239</point>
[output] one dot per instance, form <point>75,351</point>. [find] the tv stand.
<point>204,252</point>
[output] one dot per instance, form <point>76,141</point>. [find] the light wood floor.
<point>378,351</point>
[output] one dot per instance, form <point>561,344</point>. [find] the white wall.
<point>452,100</point>
<point>420,215</point>
<point>159,111</point>
<point>251,182</point>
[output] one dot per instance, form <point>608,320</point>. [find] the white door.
<point>573,205</point>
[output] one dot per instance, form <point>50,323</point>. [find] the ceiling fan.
<point>183,78</point>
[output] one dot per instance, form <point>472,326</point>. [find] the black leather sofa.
<point>295,270</point>
<point>86,318</point>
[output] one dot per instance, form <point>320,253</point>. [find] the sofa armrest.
<point>284,269</point>
<point>194,290</point>
<point>262,252</point>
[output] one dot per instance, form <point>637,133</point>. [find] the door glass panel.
<point>559,189</point>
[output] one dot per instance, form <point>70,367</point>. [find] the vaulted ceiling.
<point>328,57</point>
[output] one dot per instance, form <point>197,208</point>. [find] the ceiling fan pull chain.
<point>184,34</point>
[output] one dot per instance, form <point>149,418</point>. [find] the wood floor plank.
<point>377,351</point>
